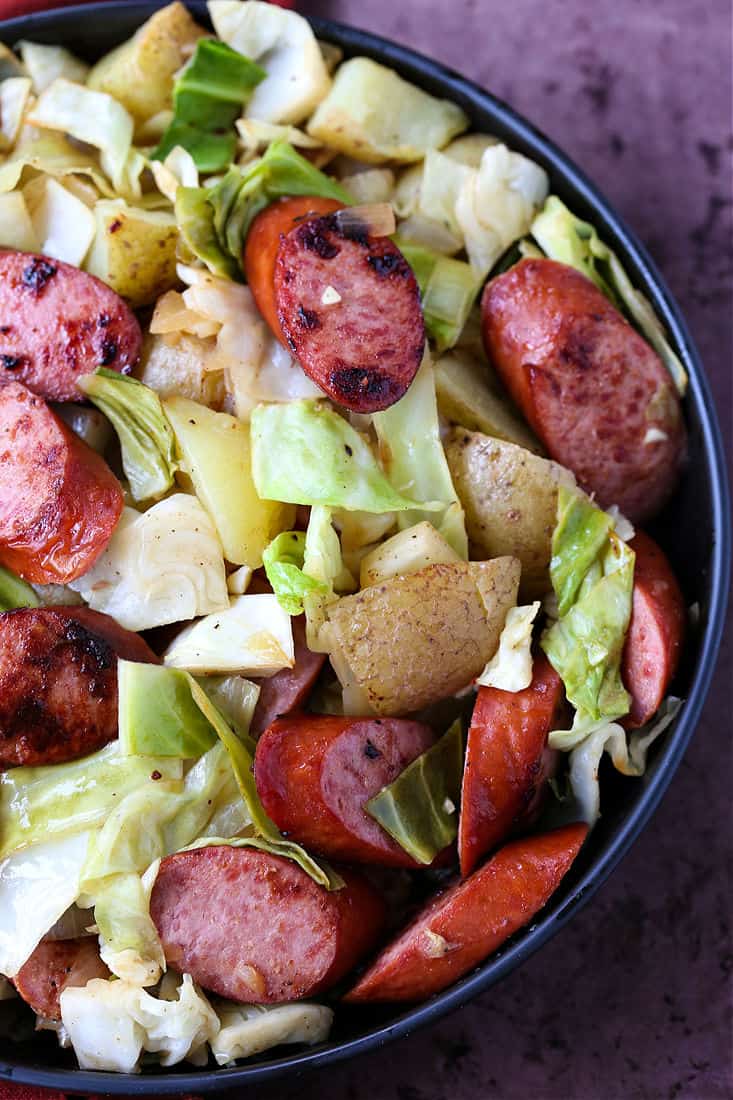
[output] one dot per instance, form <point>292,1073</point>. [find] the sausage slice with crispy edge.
<point>315,772</point>
<point>57,323</point>
<point>54,966</point>
<point>58,682</point>
<point>464,924</point>
<point>256,928</point>
<point>593,390</point>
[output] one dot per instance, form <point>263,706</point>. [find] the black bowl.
<point>701,557</point>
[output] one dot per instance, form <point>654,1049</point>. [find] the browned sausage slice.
<point>256,928</point>
<point>54,966</point>
<point>462,926</point>
<point>656,631</point>
<point>57,323</point>
<point>59,501</point>
<point>289,689</point>
<point>349,307</point>
<point>595,392</point>
<point>58,682</point>
<point>504,760</point>
<point>315,772</point>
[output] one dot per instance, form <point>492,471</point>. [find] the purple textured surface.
<point>633,999</point>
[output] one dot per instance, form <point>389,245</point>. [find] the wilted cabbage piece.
<point>510,669</point>
<point>416,639</point>
<point>157,716</point>
<point>146,437</point>
<point>134,250</point>
<point>469,394</point>
<point>374,115</point>
<point>162,566</point>
<point>510,499</point>
<point>419,809</point>
<point>14,100</point>
<point>63,225</point>
<point>253,637</point>
<point>45,63</point>
<point>52,152</point>
<point>566,238</point>
<point>448,289</point>
<point>16,227</point>
<point>140,72</point>
<point>14,592</point>
<point>284,44</point>
<point>247,1030</point>
<point>283,560</point>
<point>215,452</point>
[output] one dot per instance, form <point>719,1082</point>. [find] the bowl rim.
<point>454,85</point>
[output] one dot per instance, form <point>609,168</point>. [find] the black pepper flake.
<point>371,751</point>
<point>348,450</point>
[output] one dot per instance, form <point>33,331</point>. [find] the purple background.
<point>633,998</point>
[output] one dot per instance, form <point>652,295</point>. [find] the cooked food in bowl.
<point>326,432</point>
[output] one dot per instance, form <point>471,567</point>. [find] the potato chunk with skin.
<point>139,73</point>
<point>510,499</point>
<point>134,250</point>
<point>416,639</point>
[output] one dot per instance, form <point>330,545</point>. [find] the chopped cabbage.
<point>284,44</point>
<point>44,64</point>
<point>59,799</point>
<point>372,114</point>
<point>14,592</point>
<point>371,187</point>
<point>129,942</point>
<point>177,170</point>
<point>448,288</point>
<point>238,582</point>
<point>323,563</point>
<point>111,1023</point>
<point>253,636</point>
<point>63,225</point>
<point>255,136</point>
<point>16,227</point>
<point>14,99</point>
<point>146,437</point>
<point>37,885</point>
<point>469,148</point>
<point>510,669</point>
<point>443,179</point>
<point>283,561</point>
<point>496,204</point>
<point>247,1030</point>
<point>157,716</point>
<point>566,238</point>
<point>94,118</point>
<point>161,566</point>
<point>51,152</point>
<point>305,453</point>
<point>215,452</point>
<point>235,697</point>
<point>409,437</point>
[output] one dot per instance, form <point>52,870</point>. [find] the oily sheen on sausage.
<point>58,682</point>
<point>54,966</point>
<point>349,308</point>
<point>256,928</point>
<point>57,323</point>
<point>594,391</point>
<point>656,631</point>
<point>59,501</point>
<point>315,772</point>
<point>506,745</point>
<point>464,924</point>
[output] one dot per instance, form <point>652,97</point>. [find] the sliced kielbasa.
<point>263,242</point>
<point>54,966</point>
<point>57,323</point>
<point>349,308</point>
<point>59,501</point>
<point>594,391</point>
<point>315,772</point>
<point>58,682</point>
<point>288,689</point>
<point>656,631</point>
<point>464,924</point>
<point>256,928</point>
<point>506,748</point>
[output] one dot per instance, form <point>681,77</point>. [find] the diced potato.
<point>16,227</point>
<point>469,394</point>
<point>140,72</point>
<point>510,500</point>
<point>408,551</point>
<point>215,454</point>
<point>372,114</point>
<point>416,639</point>
<point>177,367</point>
<point>134,250</point>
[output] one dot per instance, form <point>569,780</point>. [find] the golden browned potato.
<point>416,639</point>
<point>176,366</point>
<point>510,500</point>
<point>470,394</point>
<point>134,250</point>
<point>140,72</point>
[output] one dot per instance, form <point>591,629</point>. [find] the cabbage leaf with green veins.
<point>283,561</point>
<point>146,438</point>
<point>593,579</point>
<point>305,453</point>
